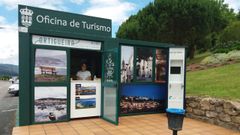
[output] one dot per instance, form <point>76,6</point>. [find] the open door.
<point>110,86</point>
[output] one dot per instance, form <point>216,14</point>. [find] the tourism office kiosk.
<point>125,77</point>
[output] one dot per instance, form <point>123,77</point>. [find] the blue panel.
<point>140,98</point>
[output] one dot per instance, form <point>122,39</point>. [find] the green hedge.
<point>226,47</point>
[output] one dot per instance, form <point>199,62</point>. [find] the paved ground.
<point>8,105</point>
<point>152,124</point>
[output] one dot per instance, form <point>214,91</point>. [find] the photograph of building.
<point>142,98</point>
<point>127,57</point>
<point>144,63</point>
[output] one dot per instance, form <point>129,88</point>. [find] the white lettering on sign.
<point>23,29</point>
<point>65,42</point>
<point>54,21</point>
<point>29,17</point>
<point>73,23</point>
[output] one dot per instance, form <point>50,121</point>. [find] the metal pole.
<point>174,132</point>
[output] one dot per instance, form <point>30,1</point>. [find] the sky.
<point>50,92</point>
<point>127,52</point>
<point>116,10</point>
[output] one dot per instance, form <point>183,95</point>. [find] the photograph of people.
<point>84,74</point>
<point>160,69</point>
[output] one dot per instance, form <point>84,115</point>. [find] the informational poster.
<point>127,56</point>
<point>140,98</point>
<point>50,104</point>
<point>82,99</point>
<point>161,66</point>
<point>144,62</point>
<point>85,98</point>
<point>50,65</point>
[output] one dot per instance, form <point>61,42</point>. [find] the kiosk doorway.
<point>85,75</point>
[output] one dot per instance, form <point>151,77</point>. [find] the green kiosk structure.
<point>70,67</point>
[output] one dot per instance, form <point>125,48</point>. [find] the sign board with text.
<point>32,18</point>
<point>65,42</point>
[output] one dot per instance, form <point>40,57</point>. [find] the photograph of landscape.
<point>50,65</point>
<point>142,98</point>
<point>50,104</point>
<point>85,90</point>
<point>85,103</point>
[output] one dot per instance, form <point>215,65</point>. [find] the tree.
<point>182,22</point>
<point>231,32</point>
<point>238,15</point>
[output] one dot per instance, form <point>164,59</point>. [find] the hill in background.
<point>8,70</point>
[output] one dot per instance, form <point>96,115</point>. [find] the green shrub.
<point>226,47</point>
<point>220,58</point>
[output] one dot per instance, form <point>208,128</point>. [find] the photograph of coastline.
<point>127,56</point>
<point>85,90</point>
<point>161,66</point>
<point>142,98</point>
<point>50,104</point>
<point>50,65</point>
<point>85,103</point>
<point>144,61</point>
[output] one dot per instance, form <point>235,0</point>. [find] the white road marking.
<point>10,110</point>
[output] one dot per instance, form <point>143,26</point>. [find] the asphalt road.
<point>8,107</point>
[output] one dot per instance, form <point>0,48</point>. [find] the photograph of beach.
<point>50,104</point>
<point>50,65</point>
<point>85,103</point>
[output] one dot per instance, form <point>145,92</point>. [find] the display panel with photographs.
<point>85,103</point>
<point>161,66</point>
<point>127,56</point>
<point>140,98</point>
<point>50,104</point>
<point>144,63</point>
<point>85,90</point>
<point>50,65</point>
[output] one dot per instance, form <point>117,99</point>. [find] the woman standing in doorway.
<point>84,74</point>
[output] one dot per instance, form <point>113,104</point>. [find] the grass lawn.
<point>50,78</point>
<point>221,82</point>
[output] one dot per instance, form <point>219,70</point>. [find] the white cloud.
<point>77,1</point>
<point>9,42</point>
<point>234,4</point>
<point>2,20</point>
<point>116,10</point>
<point>50,4</point>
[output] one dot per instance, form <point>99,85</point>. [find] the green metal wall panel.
<point>24,81</point>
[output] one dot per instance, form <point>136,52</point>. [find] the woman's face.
<point>84,67</point>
